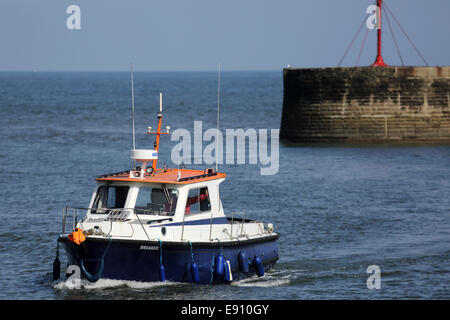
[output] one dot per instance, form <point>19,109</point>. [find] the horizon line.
<point>137,71</point>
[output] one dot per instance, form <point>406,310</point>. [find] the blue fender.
<point>219,265</point>
<point>194,273</point>
<point>259,268</point>
<point>243,262</point>
<point>162,273</point>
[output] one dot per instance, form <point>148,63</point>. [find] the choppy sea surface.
<point>338,209</point>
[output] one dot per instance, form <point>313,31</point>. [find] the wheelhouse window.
<point>157,201</point>
<point>198,201</point>
<point>109,197</point>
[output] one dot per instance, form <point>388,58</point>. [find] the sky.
<point>197,35</point>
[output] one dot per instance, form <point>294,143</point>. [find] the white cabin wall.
<point>214,198</point>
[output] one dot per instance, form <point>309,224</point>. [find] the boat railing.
<point>237,220</point>
<point>113,215</point>
<point>70,213</point>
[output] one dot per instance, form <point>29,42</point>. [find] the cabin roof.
<point>187,176</point>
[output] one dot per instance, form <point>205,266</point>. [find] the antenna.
<point>132,110</point>
<point>158,132</point>
<point>218,112</point>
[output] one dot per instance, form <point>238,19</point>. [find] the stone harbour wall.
<point>366,104</point>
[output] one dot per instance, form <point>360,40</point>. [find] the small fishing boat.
<point>160,224</point>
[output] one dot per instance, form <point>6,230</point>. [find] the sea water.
<point>338,209</point>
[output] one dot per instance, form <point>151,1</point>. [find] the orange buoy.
<point>77,236</point>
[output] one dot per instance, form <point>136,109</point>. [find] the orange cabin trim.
<point>170,176</point>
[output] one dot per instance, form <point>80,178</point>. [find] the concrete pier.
<point>366,104</point>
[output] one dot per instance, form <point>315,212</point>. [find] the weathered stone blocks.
<point>366,104</point>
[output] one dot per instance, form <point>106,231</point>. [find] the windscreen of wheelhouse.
<point>109,197</point>
<point>158,201</point>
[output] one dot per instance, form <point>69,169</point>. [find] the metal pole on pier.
<point>379,59</point>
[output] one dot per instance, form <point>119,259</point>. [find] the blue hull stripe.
<point>219,220</point>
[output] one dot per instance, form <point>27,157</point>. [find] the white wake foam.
<point>265,281</point>
<point>108,283</point>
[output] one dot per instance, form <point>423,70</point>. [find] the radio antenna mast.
<point>132,111</point>
<point>218,112</point>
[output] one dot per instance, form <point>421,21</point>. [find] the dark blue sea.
<point>338,209</point>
